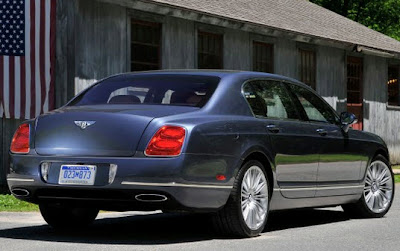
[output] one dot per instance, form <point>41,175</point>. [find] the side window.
<point>314,107</point>
<point>269,99</point>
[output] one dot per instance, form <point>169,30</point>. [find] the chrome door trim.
<point>318,188</point>
<point>173,184</point>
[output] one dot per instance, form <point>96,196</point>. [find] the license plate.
<point>77,175</point>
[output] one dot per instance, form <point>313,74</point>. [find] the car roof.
<point>216,73</point>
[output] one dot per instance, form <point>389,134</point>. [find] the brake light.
<point>167,141</point>
<point>20,141</point>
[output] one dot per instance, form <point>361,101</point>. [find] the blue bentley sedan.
<point>234,144</point>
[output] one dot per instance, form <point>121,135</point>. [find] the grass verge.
<point>9,203</point>
<point>397,178</point>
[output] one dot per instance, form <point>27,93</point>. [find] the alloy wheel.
<point>378,187</point>
<point>254,197</point>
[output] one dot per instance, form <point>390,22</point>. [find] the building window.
<point>354,80</point>
<point>263,57</point>
<point>354,90</point>
<point>145,46</point>
<point>307,67</point>
<point>210,50</point>
<point>393,85</point>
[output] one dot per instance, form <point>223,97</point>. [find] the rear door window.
<point>269,99</point>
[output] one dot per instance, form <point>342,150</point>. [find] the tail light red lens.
<point>20,141</point>
<point>167,141</point>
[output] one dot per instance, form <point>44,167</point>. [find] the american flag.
<point>27,56</point>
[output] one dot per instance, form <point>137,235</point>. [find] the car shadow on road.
<point>164,228</point>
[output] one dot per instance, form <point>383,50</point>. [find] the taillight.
<point>167,141</point>
<point>20,141</point>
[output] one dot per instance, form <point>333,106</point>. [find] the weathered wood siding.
<point>378,118</point>
<point>236,50</point>
<point>92,42</point>
<point>178,44</point>
<point>65,51</point>
<point>102,48</point>
<point>100,42</point>
<point>285,58</point>
<point>390,131</point>
<point>331,76</point>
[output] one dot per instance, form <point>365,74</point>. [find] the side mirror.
<point>346,120</point>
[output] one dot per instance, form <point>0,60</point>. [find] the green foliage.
<point>379,15</point>
<point>10,204</point>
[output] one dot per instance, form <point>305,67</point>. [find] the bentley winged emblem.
<point>84,124</point>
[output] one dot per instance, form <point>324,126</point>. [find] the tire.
<point>63,217</point>
<point>378,192</point>
<point>231,219</point>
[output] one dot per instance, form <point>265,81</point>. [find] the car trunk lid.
<point>96,130</point>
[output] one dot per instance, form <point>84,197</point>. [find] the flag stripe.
<point>45,100</point>
<point>42,54</point>
<point>22,88</point>
<point>11,85</point>
<point>32,52</point>
<point>1,87</point>
<point>16,87</point>
<point>28,71</point>
<point>6,95</point>
<point>38,93</point>
<point>52,52</point>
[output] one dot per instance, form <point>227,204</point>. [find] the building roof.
<point>299,16</point>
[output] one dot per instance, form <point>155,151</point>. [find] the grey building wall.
<point>331,76</point>
<point>285,57</point>
<point>93,42</point>
<point>379,118</point>
<point>178,44</point>
<point>237,50</point>
<point>100,42</point>
<point>102,35</point>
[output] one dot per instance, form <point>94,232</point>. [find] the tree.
<point>379,15</point>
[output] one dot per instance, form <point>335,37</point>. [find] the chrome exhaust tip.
<point>151,197</point>
<point>20,192</point>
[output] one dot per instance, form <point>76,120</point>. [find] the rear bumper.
<point>188,182</point>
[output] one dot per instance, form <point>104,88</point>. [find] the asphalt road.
<point>319,229</point>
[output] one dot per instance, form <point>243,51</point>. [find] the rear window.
<point>182,90</point>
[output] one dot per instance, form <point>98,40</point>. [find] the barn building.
<point>353,67</point>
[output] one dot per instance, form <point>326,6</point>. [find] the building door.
<point>354,89</point>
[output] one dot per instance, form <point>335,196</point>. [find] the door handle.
<point>273,128</point>
<point>322,132</point>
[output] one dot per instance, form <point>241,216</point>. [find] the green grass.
<point>397,178</point>
<point>9,203</point>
